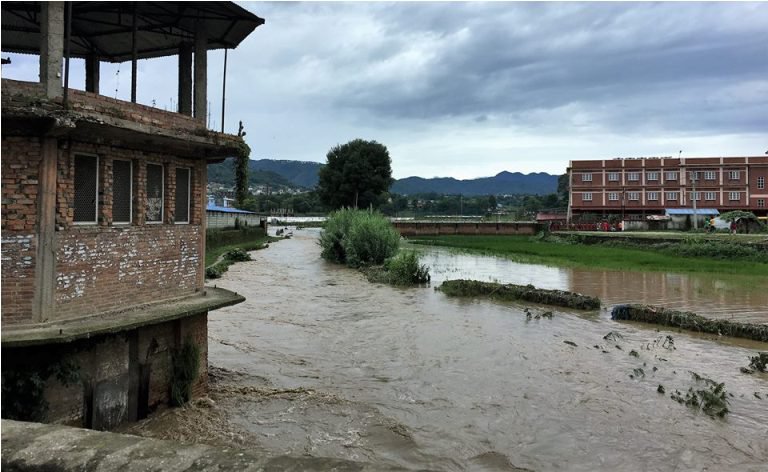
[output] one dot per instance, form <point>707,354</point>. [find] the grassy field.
<point>533,250</point>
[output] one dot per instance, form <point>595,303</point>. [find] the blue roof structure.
<point>689,211</point>
<point>212,207</point>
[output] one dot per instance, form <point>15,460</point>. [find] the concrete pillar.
<point>203,173</point>
<point>45,267</point>
<point>51,47</point>
<point>185,79</point>
<point>201,73</point>
<point>92,66</point>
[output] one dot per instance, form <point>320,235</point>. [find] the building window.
<point>586,197</point>
<point>633,176</point>
<point>734,196</point>
<point>760,203</point>
<point>709,175</point>
<point>122,191</point>
<point>653,196</point>
<point>613,196</point>
<point>613,176</point>
<point>671,175</point>
<point>587,177</point>
<point>695,195</point>
<point>633,195</point>
<point>710,196</point>
<point>761,183</point>
<point>86,189</point>
<point>734,174</point>
<point>672,196</point>
<point>183,188</point>
<point>155,193</point>
<point>652,176</point>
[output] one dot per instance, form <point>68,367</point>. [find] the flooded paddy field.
<point>320,362</point>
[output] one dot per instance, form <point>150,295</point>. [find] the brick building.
<point>634,188</point>
<point>103,204</point>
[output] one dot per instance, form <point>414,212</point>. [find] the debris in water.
<point>745,370</point>
<point>757,395</point>
<point>547,314</point>
<point>712,399</point>
<point>660,389</point>
<point>613,336</point>
<point>619,348</point>
<point>638,372</point>
<point>634,353</point>
<point>570,343</point>
<point>655,368</point>
<point>759,361</point>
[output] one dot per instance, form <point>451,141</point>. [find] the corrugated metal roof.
<point>689,211</point>
<point>211,207</point>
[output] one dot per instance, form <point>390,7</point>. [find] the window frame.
<point>760,203</point>
<point>761,183</point>
<point>710,194</point>
<point>189,196</point>
<point>710,175</point>
<point>671,196</point>
<point>613,176</point>
<point>162,195</point>
<point>98,187</point>
<point>731,195</point>
<point>586,197</point>
<point>670,175</point>
<point>653,196</point>
<point>613,196</point>
<point>633,196</point>
<point>586,176</point>
<point>652,175</point>
<point>130,197</point>
<point>734,175</point>
<point>633,176</point>
<point>694,195</point>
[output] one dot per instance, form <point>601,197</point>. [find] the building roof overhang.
<point>106,28</point>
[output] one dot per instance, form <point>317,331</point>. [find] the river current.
<point>412,378</point>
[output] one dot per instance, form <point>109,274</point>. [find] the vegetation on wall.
<point>23,387</point>
<point>185,362</point>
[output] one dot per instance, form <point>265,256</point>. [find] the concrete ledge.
<point>65,331</point>
<point>54,448</point>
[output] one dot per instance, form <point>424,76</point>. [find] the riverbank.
<point>560,250</point>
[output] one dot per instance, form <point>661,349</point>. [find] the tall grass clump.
<point>405,269</point>
<point>358,238</point>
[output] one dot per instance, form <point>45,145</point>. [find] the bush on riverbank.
<point>225,247</point>
<point>689,321</point>
<point>474,288</point>
<point>367,241</point>
<point>358,238</point>
<point>403,269</point>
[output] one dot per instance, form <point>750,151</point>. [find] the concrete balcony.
<point>27,110</point>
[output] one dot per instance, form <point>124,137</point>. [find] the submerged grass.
<point>689,321</point>
<point>561,252</point>
<point>474,288</point>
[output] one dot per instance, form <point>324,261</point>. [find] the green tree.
<point>355,175</point>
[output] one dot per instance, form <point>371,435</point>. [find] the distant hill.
<point>224,173</point>
<point>304,174</point>
<point>502,183</point>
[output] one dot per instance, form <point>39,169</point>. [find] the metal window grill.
<point>122,181</point>
<point>86,188</point>
<point>182,195</point>
<point>155,192</point>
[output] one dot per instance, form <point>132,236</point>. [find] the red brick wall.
<point>21,158</point>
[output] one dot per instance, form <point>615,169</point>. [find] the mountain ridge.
<point>305,174</point>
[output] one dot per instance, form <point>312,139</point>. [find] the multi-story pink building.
<point>644,186</point>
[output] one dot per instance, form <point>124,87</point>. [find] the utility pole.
<point>693,197</point>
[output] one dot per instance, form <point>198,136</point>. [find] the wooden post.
<point>45,266</point>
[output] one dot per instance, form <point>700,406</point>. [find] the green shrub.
<point>186,364</point>
<point>358,238</point>
<point>237,255</point>
<point>213,272</point>
<point>405,269</point>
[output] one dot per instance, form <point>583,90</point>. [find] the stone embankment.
<point>55,448</point>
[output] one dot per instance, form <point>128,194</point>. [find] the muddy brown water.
<point>409,377</point>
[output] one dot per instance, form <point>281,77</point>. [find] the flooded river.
<point>408,377</point>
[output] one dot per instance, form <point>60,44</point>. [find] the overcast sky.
<point>471,89</point>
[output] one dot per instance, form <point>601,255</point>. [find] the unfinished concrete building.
<point>103,210</point>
